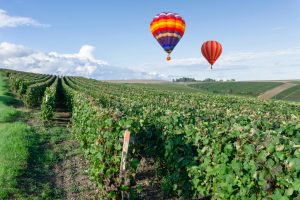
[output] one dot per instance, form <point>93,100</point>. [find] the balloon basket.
<point>168,58</point>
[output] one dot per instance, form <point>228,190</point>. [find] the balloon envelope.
<point>211,50</point>
<point>168,28</point>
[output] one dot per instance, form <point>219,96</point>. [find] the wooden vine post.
<point>124,153</point>
<point>124,158</point>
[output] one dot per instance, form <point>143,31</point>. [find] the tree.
<point>184,79</point>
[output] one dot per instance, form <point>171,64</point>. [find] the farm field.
<point>189,145</point>
<point>237,88</point>
<point>291,94</point>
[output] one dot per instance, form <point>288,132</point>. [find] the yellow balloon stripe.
<point>182,29</point>
<point>167,23</point>
<point>168,34</point>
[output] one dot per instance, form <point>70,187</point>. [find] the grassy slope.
<point>13,144</point>
<point>238,88</point>
<point>291,94</point>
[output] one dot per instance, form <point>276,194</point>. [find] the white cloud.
<point>234,58</point>
<point>14,21</point>
<point>86,51</point>
<point>279,64</point>
<point>267,65</point>
<point>8,50</point>
<point>187,61</point>
<point>83,63</point>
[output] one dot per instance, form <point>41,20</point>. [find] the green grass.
<point>8,114</point>
<point>14,144</point>
<point>291,94</point>
<point>236,88</point>
<point>36,181</point>
<point>14,155</point>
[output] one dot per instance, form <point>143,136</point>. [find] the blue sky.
<point>119,30</point>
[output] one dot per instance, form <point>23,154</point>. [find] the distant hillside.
<point>291,94</point>
<point>237,88</point>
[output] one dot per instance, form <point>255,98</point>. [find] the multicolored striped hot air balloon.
<point>167,28</point>
<point>211,50</point>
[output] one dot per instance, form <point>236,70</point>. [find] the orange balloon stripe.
<point>168,29</point>
<point>204,50</point>
<point>173,24</point>
<point>181,30</point>
<point>214,50</point>
<point>211,44</point>
<point>218,51</point>
<point>207,46</point>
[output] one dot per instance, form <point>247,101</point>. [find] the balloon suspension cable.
<point>168,57</point>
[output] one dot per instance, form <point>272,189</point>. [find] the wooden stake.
<point>124,152</point>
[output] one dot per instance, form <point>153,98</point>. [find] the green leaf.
<point>270,163</point>
<point>262,156</point>
<point>134,163</point>
<point>248,149</point>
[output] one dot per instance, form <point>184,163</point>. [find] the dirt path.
<point>146,178</point>
<point>70,173</point>
<point>271,93</point>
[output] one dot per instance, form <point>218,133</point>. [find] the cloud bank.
<point>83,63</point>
<point>267,65</point>
<point>14,21</point>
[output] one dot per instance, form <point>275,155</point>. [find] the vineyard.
<point>204,146</point>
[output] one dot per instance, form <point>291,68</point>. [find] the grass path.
<point>291,94</point>
<point>273,92</point>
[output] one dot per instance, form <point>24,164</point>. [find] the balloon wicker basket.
<point>168,58</point>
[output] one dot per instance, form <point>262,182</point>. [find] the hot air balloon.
<point>167,28</point>
<point>211,50</point>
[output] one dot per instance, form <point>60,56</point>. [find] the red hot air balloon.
<point>211,50</point>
